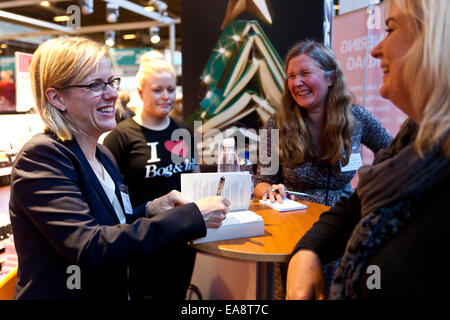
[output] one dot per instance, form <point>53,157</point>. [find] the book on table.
<point>239,222</point>
<point>286,205</point>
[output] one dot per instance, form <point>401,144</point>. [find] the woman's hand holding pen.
<point>213,209</point>
<point>276,192</point>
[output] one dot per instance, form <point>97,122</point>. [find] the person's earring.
<point>331,78</point>
<point>62,108</point>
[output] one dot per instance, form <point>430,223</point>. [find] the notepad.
<point>286,205</point>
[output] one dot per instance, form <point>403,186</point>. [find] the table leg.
<point>264,289</point>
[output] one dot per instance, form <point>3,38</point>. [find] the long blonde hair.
<point>426,69</point>
<point>58,63</point>
<point>296,142</point>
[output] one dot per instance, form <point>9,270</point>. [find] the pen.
<point>294,192</point>
<point>221,183</point>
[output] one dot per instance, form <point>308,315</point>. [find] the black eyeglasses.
<point>97,87</point>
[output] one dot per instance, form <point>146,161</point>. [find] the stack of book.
<point>244,75</point>
<point>239,222</point>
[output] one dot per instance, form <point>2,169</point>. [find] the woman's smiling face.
<point>307,82</point>
<point>92,113</point>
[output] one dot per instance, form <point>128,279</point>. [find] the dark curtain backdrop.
<point>292,20</point>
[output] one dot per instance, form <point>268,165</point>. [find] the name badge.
<point>354,163</point>
<point>126,199</point>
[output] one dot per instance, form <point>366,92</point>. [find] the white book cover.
<point>286,205</point>
<point>239,222</point>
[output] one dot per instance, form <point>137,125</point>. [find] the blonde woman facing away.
<point>392,232</point>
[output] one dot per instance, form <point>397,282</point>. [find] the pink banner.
<point>24,60</point>
<point>350,39</point>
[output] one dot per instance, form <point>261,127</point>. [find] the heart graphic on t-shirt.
<point>179,147</point>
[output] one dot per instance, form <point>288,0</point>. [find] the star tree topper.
<point>236,7</point>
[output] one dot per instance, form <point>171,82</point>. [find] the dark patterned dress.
<point>325,182</point>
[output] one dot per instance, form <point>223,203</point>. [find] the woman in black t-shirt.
<point>149,159</point>
<point>151,164</point>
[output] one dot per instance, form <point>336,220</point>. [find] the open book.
<point>286,205</point>
<point>240,222</point>
<point>244,104</point>
<point>254,38</point>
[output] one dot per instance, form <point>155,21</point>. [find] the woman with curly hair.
<point>319,129</point>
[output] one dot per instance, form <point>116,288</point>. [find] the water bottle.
<point>246,165</point>
<point>228,159</point>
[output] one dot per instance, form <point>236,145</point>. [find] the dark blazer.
<point>61,216</point>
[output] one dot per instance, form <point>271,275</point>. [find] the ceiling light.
<point>157,5</point>
<point>87,6</point>
<point>112,12</point>
<point>129,36</point>
<point>110,37</point>
<point>161,5</point>
<point>61,18</point>
<point>154,34</point>
<point>45,3</point>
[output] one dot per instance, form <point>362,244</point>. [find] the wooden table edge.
<point>219,248</point>
<point>239,255</point>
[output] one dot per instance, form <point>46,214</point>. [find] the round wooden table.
<point>282,231</point>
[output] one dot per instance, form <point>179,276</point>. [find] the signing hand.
<point>277,195</point>
<point>214,210</point>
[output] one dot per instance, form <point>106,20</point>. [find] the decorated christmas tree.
<point>244,75</point>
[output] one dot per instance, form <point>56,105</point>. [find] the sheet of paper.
<point>354,163</point>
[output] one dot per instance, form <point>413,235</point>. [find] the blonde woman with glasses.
<point>75,231</point>
<point>152,164</point>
